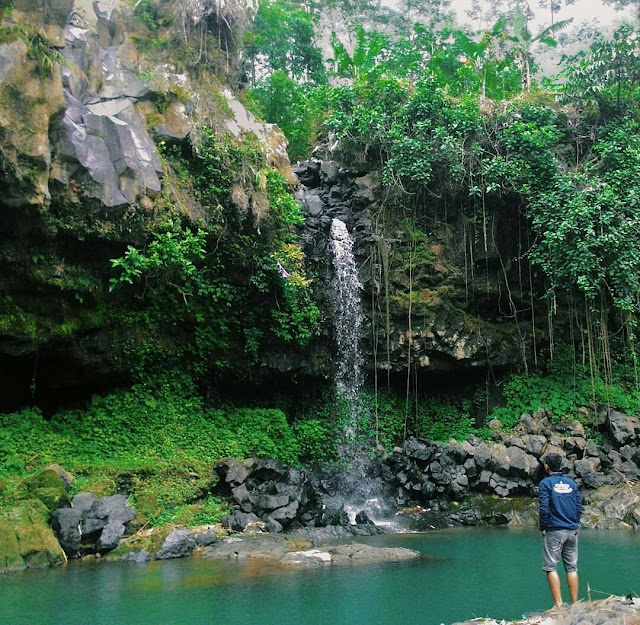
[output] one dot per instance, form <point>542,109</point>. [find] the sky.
<point>582,10</point>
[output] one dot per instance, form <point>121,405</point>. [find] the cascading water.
<point>348,328</point>
<point>360,490</point>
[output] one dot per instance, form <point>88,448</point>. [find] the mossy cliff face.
<point>440,292</point>
<point>91,94</point>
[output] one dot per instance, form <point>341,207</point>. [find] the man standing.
<point>559,508</point>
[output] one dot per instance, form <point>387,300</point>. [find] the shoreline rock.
<point>610,611</point>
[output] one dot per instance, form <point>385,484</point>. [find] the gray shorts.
<point>557,544</point>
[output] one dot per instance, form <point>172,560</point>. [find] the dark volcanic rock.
<point>177,544</point>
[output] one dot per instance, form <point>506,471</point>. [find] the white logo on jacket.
<point>562,488</point>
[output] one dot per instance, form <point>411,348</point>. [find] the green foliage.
<point>562,390</point>
<point>260,432</point>
<point>366,53</point>
<point>387,417</point>
<point>588,222</point>
<point>526,394</point>
<point>444,418</point>
<point>299,110</point>
<point>524,40</point>
<point>171,257</point>
<point>147,13</point>
<point>207,512</point>
<point>315,439</point>
<point>608,73</point>
<point>157,421</point>
<point>282,39</point>
<point>204,294</point>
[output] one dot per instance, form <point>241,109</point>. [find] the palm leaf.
<point>554,28</point>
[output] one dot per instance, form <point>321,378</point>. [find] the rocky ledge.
<point>611,611</point>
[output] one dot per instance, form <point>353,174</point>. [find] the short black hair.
<point>553,461</point>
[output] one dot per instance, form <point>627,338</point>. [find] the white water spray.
<point>348,320</point>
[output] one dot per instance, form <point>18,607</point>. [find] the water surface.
<point>465,573</point>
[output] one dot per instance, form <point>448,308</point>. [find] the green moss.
<point>221,104</point>
<point>16,321</point>
<point>38,546</point>
<point>10,558</point>
<point>26,512</point>
<point>422,301</point>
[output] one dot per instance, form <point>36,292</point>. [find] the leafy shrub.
<point>261,432</point>
<point>140,425</point>
<point>315,439</point>
<point>444,418</point>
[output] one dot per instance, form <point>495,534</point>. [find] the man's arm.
<point>543,505</point>
<point>579,507</point>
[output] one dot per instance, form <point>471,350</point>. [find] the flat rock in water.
<point>293,551</point>
<point>355,552</point>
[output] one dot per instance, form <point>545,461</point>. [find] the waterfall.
<point>361,489</point>
<point>348,322</point>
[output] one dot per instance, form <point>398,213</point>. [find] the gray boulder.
<point>622,428</point>
<point>205,539</point>
<point>110,537</point>
<point>83,502</point>
<point>178,544</point>
<point>238,520</point>
<point>114,509</point>
<point>92,525</point>
<point>66,522</point>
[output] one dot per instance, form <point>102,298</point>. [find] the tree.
<point>283,39</point>
<point>524,40</point>
<point>280,100</point>
<point>611,68</point>
<point>366,53</point>
<point>620,5</point>
<point>431,13</point>
<point>482,57</point>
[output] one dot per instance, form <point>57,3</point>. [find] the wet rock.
<point>308,174</point>
<point>137,556</point>
<point>362,518</point>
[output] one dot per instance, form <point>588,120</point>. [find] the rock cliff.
<point>90,96</point>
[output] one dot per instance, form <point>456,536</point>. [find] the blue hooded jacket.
<point>559,503</point>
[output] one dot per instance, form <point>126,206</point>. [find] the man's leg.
<point>572,580</point>
<point>554,585</point>
<point>570,561</point>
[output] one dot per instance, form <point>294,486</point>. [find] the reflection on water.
<point>468,573</point>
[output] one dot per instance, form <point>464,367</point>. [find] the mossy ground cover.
<point>157,443</point>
